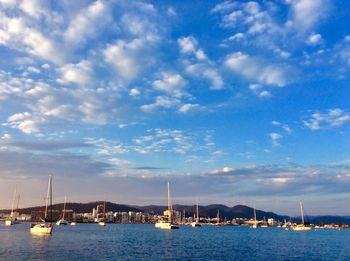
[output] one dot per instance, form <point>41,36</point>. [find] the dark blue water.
<point>145,242</point>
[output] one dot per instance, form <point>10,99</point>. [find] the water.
<point>145,242</point>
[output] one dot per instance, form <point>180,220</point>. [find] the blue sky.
<point>232,101</point>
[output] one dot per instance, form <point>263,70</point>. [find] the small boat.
<point>62,221</point>
<point>11,219</point>
<point>73,223</point>
<point>196,222</point>
<point>302,226</point>
<point>45,228</point>
<point>255,224</point>
<point>167,224</point>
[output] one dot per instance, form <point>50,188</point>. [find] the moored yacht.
<point>196,222</point>
<point>167,224</point>
<point>45,228</point>
<point>62,221</point>
<point>302,226</point>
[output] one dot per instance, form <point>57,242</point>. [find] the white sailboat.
<point>167,224</point>
<point>255,224</point>
<point>301,227</point>
<point>196,222</point>
<point>62,221</point>
<point>45,228</point>
<point>11,219</point>
<point>101,221</point>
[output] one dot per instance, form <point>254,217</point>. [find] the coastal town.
<point>133,217</point>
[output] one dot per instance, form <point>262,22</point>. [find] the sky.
<point>233,102</point>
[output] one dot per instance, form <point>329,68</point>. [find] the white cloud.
<point>314,39</point>
<point>307,13</point>
<point>171,83</point>
<point>43,47</point>
<point>8,3</point>
<point>25,122</point>
<point>275,137</point>
<point>34,8</point>
<point>134,92</point>
<point>76,73</point>
<point>185,108</point>
<point>87,22</point>
<point>334,118</point>
<point>254,69</point>
<point>123,56</point>
<point>161,102</point>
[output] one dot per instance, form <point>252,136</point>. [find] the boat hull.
<point>195,224</point>
<point>61,222</point>
<point>166,225</point>
<point>41,229</point>
<point>9,222</point>
<point>301,228</point>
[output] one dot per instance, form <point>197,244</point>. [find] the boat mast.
<point>197,215</point>
<point>47,198</point>
<point>13,202</point>
<point>64,207</point>
<point>254,215</point>
<point>51,198</point>
<point>170,208</point>
<point>302,213</point>
<point>218,217</point>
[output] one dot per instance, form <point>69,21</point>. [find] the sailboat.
<point>218,219</point>
<point>101,221</point>
<point>167,224</point>
<point>62,221</point>
<point>196,222</point>
<point>255,224</point>
<point>45,228</point>
<point>11,219</point>
<point>301,227</point>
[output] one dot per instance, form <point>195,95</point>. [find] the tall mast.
<point>13,201</point>
<point>170,208</point>
<point>302,213</point>
<point>64,207</point>
<point>51,198</point>
<point>254,214</point>
<point>218,216</point>
<point>18,197</point>
<point>47,197</point>
<point>197,215</point>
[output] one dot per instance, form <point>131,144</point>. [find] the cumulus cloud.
<point>314,39</point>
<point>307,14</point>
<point>202,67</point>
<point>172,83</point>
<point>79,73</point>
<point>333,118</point>
<point>275,137</point>
<point>87,22</point>
<point>255,69</point>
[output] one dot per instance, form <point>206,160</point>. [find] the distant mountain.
<point>239,211</point>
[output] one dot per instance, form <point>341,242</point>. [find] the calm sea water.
<point>145,242</point>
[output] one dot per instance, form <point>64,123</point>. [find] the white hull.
<point>301,228</point>
<point>9,222</point>
<point>102,224</point>
<point>195,224</point>
<point>166,225</point>
<point>41,229</point>
<point>73,223</point>
<point>61,222</point>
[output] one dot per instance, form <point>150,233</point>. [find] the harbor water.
<point>145,242</point>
